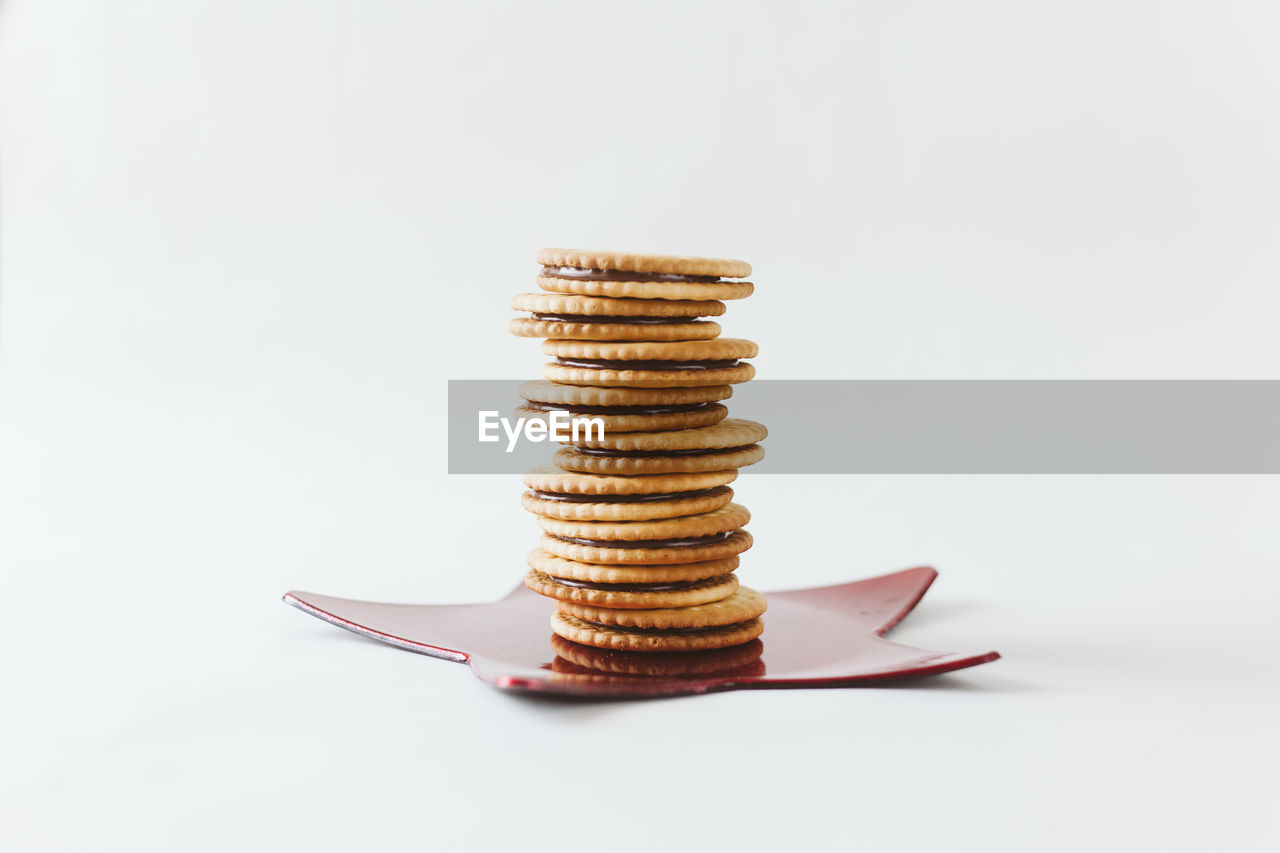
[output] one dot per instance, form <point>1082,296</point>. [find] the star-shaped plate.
<point>827,636</point>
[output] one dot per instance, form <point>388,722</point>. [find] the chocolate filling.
<point>626,499</point>
<point>628,587</point>
<point>618,364</point>
<point>629,629</point>
<point>590,318</point>
<point>613,410</point>
<point>622,275</point>
<point>624,454</point>
<point>692,542</point>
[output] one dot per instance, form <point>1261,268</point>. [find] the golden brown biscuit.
<point>625,507</point>
<point>588,461</point>
<point>548,563</point>
<point>553,478</point>
<point>734,659</point>
<point>628,378</point>
<point>564,671</point>
<point>567,672</point>
<point>719,521</point>
<point>542,391</point>
<point>632,419</point>
<point>583,328</point>
<point>731,432</point>
<point>599,306</point>
<point>719,349</point>
<point>656,594</point>
<point>631,289</point>
<point>696,551</point>
<point>630,639</point>
<point>651,364</point>
<point>588,318</point>
<point>644,262</point>
<point>743,605</point>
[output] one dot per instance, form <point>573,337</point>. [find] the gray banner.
<point>951,427</point>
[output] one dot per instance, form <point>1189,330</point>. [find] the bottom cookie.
<point>567,672</point>
<point>603,636</point>
<point>587,659</point>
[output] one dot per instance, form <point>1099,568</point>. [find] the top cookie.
<point>682,265</point>
<point>625,275</point>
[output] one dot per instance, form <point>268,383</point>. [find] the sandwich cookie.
<point>728,622</point>
<point>625,508</point>
<point>719,522</point>
<point>542,391</point>
<point>649,364</point>
<point>556,493</point>
<point>728,444</point>
<point>641,276</point>
<point>587,318</point>
<point>551,478</point>
<point>560,568</point>
<point>564,671</point>
<point>633,595</point>
<point>651,552</point>
<point>637,419</point>
<point>668,540</point>
<point>587,660</point>
<point>744,605</point>
<point>627,409</point>
<point>637,640</point>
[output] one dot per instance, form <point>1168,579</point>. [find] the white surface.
<point>245,244</point>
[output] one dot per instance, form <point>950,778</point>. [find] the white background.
<point>246,243</point>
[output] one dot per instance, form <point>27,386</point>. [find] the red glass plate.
<point>828,636</point>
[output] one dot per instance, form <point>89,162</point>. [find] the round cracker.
<point>648,378</point>
<point>647,262</point>
<point>578,631</point>
<point>729,517</point>
<point>659,664</point>
<point>720,291</point>
<point>572,459</point>
<point>733,544</point>
<point>718,349</point>
<point>625,423</point>
<point>745,604</point>
<point>567,672</point>
<point>627,510</point>
<point>542,391</point>
<point>570,303</point>
<point>533,327</point>
<point>552,478</point>
<point>698,592</point>
<point>559,567</point>
<point>731,432</point>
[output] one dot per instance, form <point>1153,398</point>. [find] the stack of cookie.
<point>640,533</point>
